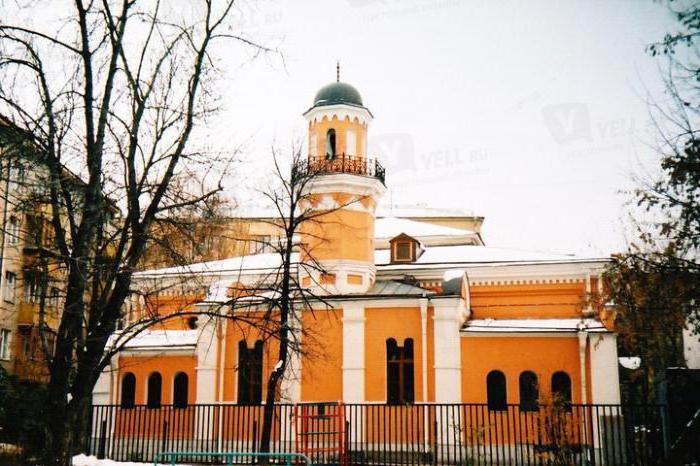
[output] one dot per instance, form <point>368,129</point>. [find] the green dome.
<point>338,93</point>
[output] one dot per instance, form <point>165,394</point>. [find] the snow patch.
<point>82,460</point>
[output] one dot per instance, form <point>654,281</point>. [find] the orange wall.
<point>342,234</point>
<point>320,128</point>
<point>513,355</point>
<point>556,300</point>
<point>322,361</point>
<point>165,305</point>
<point>397,323</point>
<point>168,366</point>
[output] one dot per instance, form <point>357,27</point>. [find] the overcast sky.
<point>531,114</point>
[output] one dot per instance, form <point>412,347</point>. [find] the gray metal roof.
<point>396,288</point>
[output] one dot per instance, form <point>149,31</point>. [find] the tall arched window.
<point>561,387</point>
<point>529,393</point>
<point>250,373</point>
<point>496,391</point>
<point>180,388</point>
<point>155,384</point>
<point>330,144</point>
<point>128,390</point>
<point>399,371</point>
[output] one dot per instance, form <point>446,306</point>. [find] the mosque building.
<point>410,311</point>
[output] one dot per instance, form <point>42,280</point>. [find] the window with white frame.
<point>9,291</point>
<point>5,336</point>
<point>32,287</point>
<point>13,230</point>
<point>55,297</point>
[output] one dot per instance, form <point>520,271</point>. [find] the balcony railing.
<point>342,163</point>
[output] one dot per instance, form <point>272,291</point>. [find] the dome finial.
<point>337,71</point>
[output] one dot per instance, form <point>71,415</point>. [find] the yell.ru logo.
<point>568,122</point>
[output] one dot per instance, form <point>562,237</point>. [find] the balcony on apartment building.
<point>29,314</point>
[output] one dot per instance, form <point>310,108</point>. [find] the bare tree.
<point>279,297</point>
<point>114,92</point>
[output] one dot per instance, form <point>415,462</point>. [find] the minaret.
<point>348,186</point>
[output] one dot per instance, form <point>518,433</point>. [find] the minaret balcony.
<point>350,164</point>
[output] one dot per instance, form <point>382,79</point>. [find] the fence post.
<point>346,446</point>
<point>255,441</point>
<point>103,439</point>
<point>435,442</point>
<point>164,441</point>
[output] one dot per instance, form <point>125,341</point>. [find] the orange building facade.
<point>413,311</point>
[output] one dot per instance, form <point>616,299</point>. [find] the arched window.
<point>155,383</point>
<point>330,144</point>
<point>250,373</point>
<point>128,390</point>
<point>561,387</point>
<point>529,393</point>
<point>399,371</point>
<point>496,391</point>
<point>180,388</point>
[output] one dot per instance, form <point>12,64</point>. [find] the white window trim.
<point>5,346</point>
<point>9,290</point>
<point>13,236</point>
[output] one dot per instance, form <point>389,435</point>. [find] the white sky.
<point>531,114</point>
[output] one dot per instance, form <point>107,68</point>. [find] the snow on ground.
<point>82,460</point>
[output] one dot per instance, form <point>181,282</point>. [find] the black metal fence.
<point>421,433</point>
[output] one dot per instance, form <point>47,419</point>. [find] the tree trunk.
<point>67,429</point>
<point>59,431</point>
<point>269,412</point>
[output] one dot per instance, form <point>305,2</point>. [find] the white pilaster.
<point>291,382</point>
<point>353,352</point>
<point>448,320</point>
<point>424,346</point>
<point>582,344</point>
<point>105,390</point>
<point>206,363</point>
<point>605,377</point>
<point>206,351</point>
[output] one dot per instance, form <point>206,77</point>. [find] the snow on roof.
<point>219,293</point>
<point>390,227</point>
<point>532,325</point>
<point>159,339</point>
<point>243,264</point>
<point>395,288</point>
<point>417,210</point>
<point>433,256</point>
<point>473,254</point>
